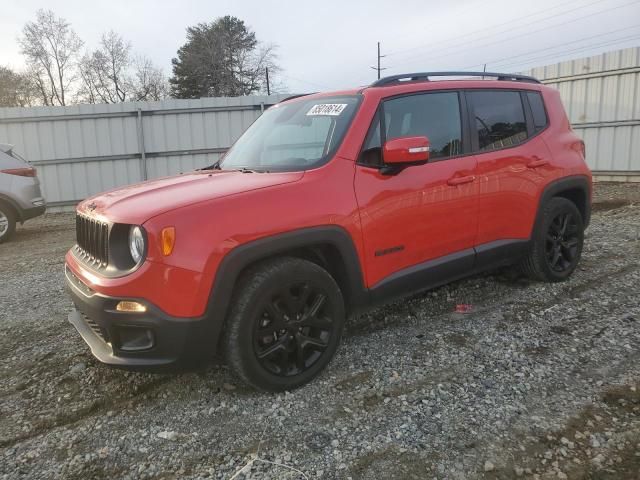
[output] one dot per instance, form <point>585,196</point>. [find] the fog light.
<point>132,307</point>
<point>135,338</point>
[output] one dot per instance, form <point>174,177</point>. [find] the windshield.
<point>293,136</point>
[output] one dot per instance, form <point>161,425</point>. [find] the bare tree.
<point>89,81</point>
<point>51,48</point>
<point>149,81</point>
<point>104,72</point>
<point>110,74</point>
<point>16,89</point>
<point>251,68</point>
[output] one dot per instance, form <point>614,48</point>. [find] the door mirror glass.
<point>406,150</point>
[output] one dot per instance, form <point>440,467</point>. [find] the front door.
<point>424,212</point>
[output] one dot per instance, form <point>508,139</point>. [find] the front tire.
<point>285,324</point>
<point>556,243</point>
<point>7,223</point>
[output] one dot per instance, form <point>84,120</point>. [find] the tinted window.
<point>291,136</point>
<point>371,151</point>
<point>435,115</point>
<point>499,119</point>
<point>537,109</point>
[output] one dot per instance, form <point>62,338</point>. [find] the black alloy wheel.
<point>556,243</point>
<point>285,323</point>
<point>293,329</point>
<point>562,241</point>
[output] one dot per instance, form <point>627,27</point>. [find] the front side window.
<point>434,115</point>
<point>499,119</point>
<point>372,149</point>
<point>293,136</point>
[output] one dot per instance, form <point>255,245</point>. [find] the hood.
<point>139,202</point>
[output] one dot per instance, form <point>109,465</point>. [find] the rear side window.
<point>499,119</point>
<point>537,110</point>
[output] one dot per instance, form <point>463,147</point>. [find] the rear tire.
<point>556,243</point>
<point>7,222</point>
<point>285,324</point>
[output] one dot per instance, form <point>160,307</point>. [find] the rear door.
<point>513,162</point>
<point>424,212</point>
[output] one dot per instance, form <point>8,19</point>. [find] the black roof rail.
<point>424,77</point>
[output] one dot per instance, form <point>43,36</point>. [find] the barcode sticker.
<point>331,109</point>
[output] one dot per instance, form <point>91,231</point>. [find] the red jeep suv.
<point>328,204</point>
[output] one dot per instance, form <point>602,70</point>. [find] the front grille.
<point>92,237</point>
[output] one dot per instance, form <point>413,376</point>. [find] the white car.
<point>20,196</point>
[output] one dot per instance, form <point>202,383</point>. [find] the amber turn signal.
<point>128,306</point>
<point>168,239</point>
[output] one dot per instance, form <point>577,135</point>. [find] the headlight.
<point>136,244</point>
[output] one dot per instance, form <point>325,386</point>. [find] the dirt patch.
<point>605,205</point>
<point>415,391</point>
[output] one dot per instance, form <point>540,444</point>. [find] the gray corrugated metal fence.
<point>602,97</point>
<point>85,149</point>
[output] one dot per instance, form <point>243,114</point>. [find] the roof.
<point>426,77</point>
<point>409,82</point>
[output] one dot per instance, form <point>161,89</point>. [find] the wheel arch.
<point>576,188</point>
<point>331,247</point>
<point>13,205</point>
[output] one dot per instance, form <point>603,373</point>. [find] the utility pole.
<point>266,70</point>
<point>378,68</point>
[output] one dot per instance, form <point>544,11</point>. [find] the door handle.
<point>538,162</point>
<point>455,181</point>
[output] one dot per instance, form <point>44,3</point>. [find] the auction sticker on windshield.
<point>332,109</point>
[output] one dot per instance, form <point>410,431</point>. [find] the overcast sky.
<point>332,44</point>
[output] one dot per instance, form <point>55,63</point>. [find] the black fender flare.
<point>246,254</point>
<point>553,189</point>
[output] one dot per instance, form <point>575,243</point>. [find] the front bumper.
<point>137,340</point>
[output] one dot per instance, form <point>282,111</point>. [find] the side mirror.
<point>406,150</point>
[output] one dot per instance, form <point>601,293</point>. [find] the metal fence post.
<point>143,155</point>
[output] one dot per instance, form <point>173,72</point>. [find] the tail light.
<point>21,172</point>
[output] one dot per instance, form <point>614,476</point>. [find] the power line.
<point>493,27</point>
<point>527,33</point>
<point>590,37</point>
<point>301,80</point>
<point>575,50</point>
<point>378,68</point>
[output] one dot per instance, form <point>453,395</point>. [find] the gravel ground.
<point>537,381</point>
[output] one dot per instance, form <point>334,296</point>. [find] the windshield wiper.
<point>215,166</point>
<point>250,170</point>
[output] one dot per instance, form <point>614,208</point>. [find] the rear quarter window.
<point>537,110</point>
<point>499,119</point>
